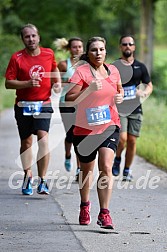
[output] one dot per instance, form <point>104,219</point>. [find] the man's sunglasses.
<point>126,44</point>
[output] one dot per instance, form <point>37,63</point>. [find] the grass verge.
<point>7,97</point>
<point>151,145</point>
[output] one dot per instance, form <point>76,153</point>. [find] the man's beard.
<point>127,54</point>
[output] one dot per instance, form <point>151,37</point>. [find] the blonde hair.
<point>61,44</point>
<point>64,44</point>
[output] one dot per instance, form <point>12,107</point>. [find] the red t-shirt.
<point>22,66</point>
<point>98,110</point>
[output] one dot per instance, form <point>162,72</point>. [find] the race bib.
<point>31,107</point>
<point>129,92</point>
<point>98,115</point>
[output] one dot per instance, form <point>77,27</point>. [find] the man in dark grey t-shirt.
<point>137,86</point>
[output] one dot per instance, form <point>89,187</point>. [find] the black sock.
<point>26,174</point>
<point>118,158</point>
<point>68,157</point>
<point>104,210</point>
<point>85,203</point>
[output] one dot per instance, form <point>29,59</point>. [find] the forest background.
<point>144,19</point>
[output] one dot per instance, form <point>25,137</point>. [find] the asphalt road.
<point>50,223</point>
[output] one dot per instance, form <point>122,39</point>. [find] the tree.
<point>4,4</point>
<point>109,19</point>
<point>160,20</point>
<point>147,32</point>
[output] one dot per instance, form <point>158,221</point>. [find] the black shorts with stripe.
<point>86,147</point>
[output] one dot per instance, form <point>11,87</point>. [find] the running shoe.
<point>67,164</point>
<point>43,188</point>
<point>116,167</point>
<point>84,217</point>
<point>27,186</point>
<point>77,174</point>
<point>127,176</point>
<point>105,221</point>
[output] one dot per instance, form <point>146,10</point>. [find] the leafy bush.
<point>159,79</point>
<point>9,44</point>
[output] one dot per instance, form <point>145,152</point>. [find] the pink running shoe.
<point>105,221</point>
<point>84,217</point>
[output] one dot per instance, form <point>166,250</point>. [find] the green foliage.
<point>159,78</point>
<point>5,4</point>
<point>9,44</point>
<point>83,18</point>
<point>160,22</point>
<point>12,23</point>
<point>55,19</point>
<point>159,74</point>
<point>61,55</point>
<point>7,97</point>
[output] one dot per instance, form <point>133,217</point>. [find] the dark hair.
<point>124,36</point>
<point>94,39</point>
<point>84,57</point>
<point>73,39</point>
<point>28,26</point>
<point>89,42</point>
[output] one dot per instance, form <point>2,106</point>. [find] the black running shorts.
<point>28,125</point>
<point>86,147</point>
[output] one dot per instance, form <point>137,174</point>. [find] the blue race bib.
<point>98,115</point>
<point>31,107</point>
<point>129,92</point>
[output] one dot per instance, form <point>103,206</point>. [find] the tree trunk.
<point>146,33</point>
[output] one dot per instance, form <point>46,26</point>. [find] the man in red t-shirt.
<point>33,72</point>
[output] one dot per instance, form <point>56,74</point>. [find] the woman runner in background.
<point>75,47</point>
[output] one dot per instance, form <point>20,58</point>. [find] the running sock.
<point>126,170</point>
<point>68,157</point>
<point>85,203</point>
<point>42,180</point>
<point>104,210</point>
<point>118,158</point>
<point>27,173</point>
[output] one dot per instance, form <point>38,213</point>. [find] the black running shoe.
<point>116,167</point>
